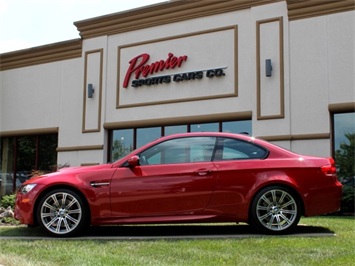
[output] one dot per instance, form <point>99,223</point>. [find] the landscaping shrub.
<point>7,205</point>
<point>348,199</point>
<point>8,201</point>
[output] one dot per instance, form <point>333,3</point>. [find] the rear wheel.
<point>275,210</point>
<point>62,212</point>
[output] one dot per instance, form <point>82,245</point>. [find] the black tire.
<point>275,210</point>
<point>62,213</point>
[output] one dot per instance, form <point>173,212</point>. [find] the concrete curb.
<point>170,232</point>
<point>142,238</point>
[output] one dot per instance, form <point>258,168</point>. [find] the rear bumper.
<point>323,200</point>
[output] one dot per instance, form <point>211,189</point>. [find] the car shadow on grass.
<point>195,231</point>
<point>149,232</point>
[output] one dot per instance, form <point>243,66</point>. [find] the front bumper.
<point>25,206</point>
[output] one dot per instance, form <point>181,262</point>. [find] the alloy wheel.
<point>61,212</point>
<point>276,210</point>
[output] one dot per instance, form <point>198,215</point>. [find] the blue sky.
<point>29,23</point>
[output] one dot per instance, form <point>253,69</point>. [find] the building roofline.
<point>41,54</point>
<point>302,9</point>
<point>160,14</point>
<point>155,15</point>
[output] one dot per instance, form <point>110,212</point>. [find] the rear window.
<point>234,149</point>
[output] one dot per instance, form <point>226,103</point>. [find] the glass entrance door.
<point>22,157</point>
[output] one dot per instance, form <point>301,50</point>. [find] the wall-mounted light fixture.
<point>268,67</point>
<point>90,90</point>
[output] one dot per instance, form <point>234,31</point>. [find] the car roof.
<point>189,134</point>
<point>240,136</point>
<point>269,146</point>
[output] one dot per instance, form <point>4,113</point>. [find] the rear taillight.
<point>329,169</point>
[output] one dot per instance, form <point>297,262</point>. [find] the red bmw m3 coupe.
<point>185,178</point>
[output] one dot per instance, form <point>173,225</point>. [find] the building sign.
<point>190,67</point>
<point>139,68</point>
<point>141,71</point>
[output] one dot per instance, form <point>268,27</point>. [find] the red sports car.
<point>186,178</point>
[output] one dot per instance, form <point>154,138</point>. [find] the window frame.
<point>220,149</point>
<point>332,119</point>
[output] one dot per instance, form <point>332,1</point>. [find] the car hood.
<point>70,171</point>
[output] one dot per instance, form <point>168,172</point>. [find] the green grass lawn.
<point>255,250</point>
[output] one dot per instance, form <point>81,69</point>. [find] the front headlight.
<point>27,188</point>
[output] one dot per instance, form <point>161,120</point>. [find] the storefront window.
<point>7,166</point>
<point>206,127</point>
<point>122,143</point>
<point>237,127</point>
<point>20,157</point>
<point>344,144</point>
<point>146,135</point>
<point>125,140</point>
<point>25,158</point>
<point>169,130</point>
<point>47,157</point>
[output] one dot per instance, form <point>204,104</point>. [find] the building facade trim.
<point>80,148</point>
<point>179,120</point>
<point>233,94</point>
<point>159,14</point>
<point>26,132</point>
<point>98,91</point>
<point>342,107</point>
<point>296,137</point>
<point>302,9</point>
<point>41,54</point>
<point>280,63</point>
<point>156,15</point>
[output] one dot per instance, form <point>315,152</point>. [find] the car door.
<point>176,176</point>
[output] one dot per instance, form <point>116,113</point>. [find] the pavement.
<point>169,232</point>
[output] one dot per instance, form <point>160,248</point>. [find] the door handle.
<point>203,172</point>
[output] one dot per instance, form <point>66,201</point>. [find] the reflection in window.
<point>344,144</point>
<point>205,127</point>
<point>237,127</point>
<point>25,157</point>
<point>124,140</point>
<point>21,157</point>
<point>146,135</point>
<point>184,150</point>
<point>169,130</point>
<point>122,143</point>
<point>233,149</point>
<point>7,166</point>
<point>343,124</point>
<point>48,152</point>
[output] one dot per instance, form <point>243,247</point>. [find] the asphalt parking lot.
<point>175,232</point>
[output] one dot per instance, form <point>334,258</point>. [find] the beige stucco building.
<point>280,70</point>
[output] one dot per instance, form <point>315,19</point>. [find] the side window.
<point>233,149</point>
<point>183,150</point>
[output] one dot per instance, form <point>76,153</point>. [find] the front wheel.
<point>62,212</point>
<point>275,210</point>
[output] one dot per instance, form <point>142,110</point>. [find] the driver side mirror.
<point>133,161</point>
